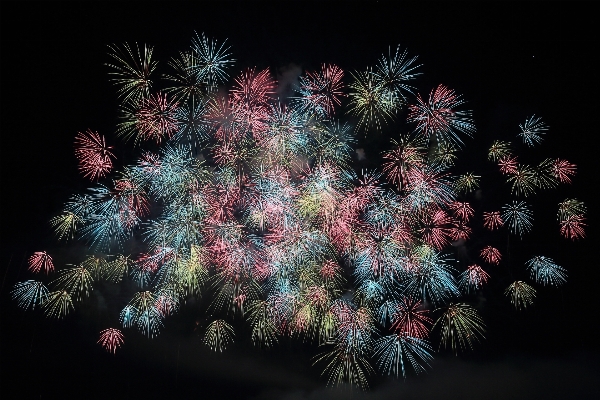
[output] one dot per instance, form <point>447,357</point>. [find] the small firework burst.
<point>111,339</point>
<point>93,154</point>
<point>40,261</point>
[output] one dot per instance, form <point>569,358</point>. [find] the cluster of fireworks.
<point>253,199</point>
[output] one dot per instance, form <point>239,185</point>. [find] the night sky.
<point>509,61</point>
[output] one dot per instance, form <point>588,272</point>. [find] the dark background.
<point>508,60</point>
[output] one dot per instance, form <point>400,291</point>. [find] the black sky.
<point>508,60</point>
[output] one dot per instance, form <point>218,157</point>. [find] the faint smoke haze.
<point>287,79</point>
<point>573,377</point>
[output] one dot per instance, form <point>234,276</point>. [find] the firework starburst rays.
<point>132,68</point>
<point>254,203</point>
<point>437,118</point>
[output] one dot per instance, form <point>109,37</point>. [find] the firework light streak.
<point>437,119</point>
<point>111,339</point>
<point>93,154</point>
<point>518,217</point>
<point>571,217</point>
<point>521,294</point>
<point>131,71</point>
<point>546,272</point>
<point>490,255</point>
<point>499,150</point>
<point>532,131</point>
<point>321,92</point>
<point>30,294</point>
<point>252,201</point>
<point>460,326</point>
<point>156,118</point>
<point>219,335</point>
<point>58,304</point>
<point>40,261</point>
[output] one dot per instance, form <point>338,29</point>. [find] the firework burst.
<point>40,261</point>
<point>437,118</point>
<point>93,154</point>
<point>111,339</point>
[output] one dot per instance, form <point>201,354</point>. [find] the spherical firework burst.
<point>253,202</point>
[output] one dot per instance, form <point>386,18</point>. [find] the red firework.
<point>135,197</point>
<point>165,305</point>
<point>93,154</point>
<point>459,231</point>
<point>156,119</point>
<point>40,260</point>
<point>410,319</point>
<point>461,210</point>
<point>436,230</point>
<point>402,159</point>
<point>476,276</point>
<point>490,255</point>
<point>111,339</point>
<point>254,89</point>
<point>573,227</point>
<point>492,220</point>
<point>250,98</point>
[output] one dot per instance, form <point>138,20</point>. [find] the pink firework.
<point>508,165</point>
<point>461,210</point>
<point>564,170</point>
<point>156,118</point>
<point>403,232</point>
<point>250,99</point>
<point>330,270</point>
<point>111,339</point>
<point>426,187</point>
<point>459,231</point>
<point>93,154</point>
<point>317,296</point>
<point>254,89</point>
<point>573,227</point>
<point>227,154</point>
<point>343,228</point>
<point>341,231</point>
<point>492,220</point>
<point>221,202</point>
<point>490,255</point>
<point>230,119</point>
<point>40,260</point>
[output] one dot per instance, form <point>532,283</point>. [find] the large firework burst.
<point>252,199</point>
